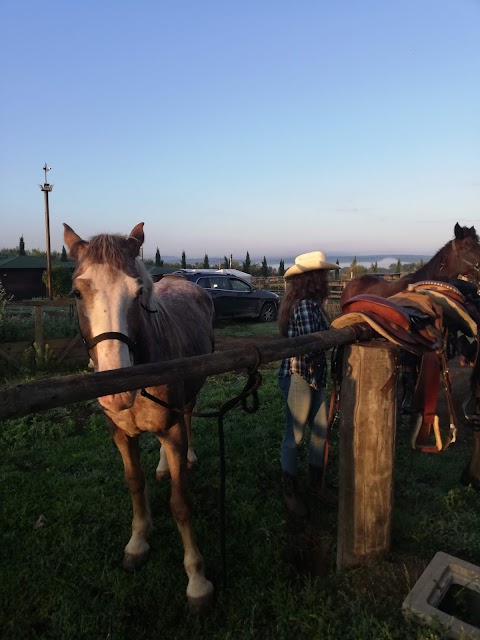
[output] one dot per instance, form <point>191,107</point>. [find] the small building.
<point>21,275</point>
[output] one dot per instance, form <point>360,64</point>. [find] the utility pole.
<point>46,188</point>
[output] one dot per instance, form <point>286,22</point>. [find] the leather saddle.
<point>418,320</point>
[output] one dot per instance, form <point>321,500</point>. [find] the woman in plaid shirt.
<point>303,379</point>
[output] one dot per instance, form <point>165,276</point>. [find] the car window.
<point>239,285</point>
<point>204,282</point>
<point>217,282</point>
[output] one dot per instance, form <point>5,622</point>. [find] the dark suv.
<point>234,297</point>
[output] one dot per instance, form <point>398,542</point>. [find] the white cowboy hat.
<point>309,262</point>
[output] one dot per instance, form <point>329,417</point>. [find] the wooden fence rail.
<point>23,398</point>
<point>15,354</point>
<point>366,464</point>
<point>277,284</point>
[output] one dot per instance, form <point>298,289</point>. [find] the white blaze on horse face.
<point>107,305</point>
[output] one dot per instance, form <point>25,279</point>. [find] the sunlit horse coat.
<point>126,319</point>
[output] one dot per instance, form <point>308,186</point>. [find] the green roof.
<point>31,262</point>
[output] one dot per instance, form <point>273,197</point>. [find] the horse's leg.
<point>409,363</point>
<point>192,459</point>
<point>162,472</point>
<point>471,473</point>
<point>174,443</point>
<point>136,551</point>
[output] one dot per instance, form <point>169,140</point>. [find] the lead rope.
<point>252,384</point>
<point>333,410</point>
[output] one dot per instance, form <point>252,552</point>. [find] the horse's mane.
<point>112,250</point>
<point>109,249</point>
<point>147,282</point>
<point>433,266</point>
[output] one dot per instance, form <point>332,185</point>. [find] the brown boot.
<point>291,496</point>
<point>318,489</point>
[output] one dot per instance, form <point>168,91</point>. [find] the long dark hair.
<point>310,284</point>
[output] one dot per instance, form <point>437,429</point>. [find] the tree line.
<point>247,266</point>
<point>264,270</point>
<point>355,269</point>
<point>61,278</point>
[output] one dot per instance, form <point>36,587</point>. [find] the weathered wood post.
<point>366,452</point>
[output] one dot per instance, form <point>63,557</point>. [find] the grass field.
<point>66,515</point>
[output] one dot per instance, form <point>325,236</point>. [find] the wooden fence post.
<point>366,452</point>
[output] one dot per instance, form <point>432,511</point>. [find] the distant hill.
<point>383,260</point>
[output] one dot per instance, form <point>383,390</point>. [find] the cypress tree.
<point>206,263</point>
<point>264,268</point>
<point>337,271</point>
<point>158,259</point>
<point>281,267</point>
<point>225,262</point>
<point>247,263</point>
<point>184,260</point>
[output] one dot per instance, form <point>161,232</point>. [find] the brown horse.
<point>125,319</point>
<point>460,256</point>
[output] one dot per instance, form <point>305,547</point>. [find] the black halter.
<point>115,335</point>
<point>109,335</point>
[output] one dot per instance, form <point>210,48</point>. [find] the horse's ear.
<point>75,244</point>
<point>458,232</point>
<point>135,239</point>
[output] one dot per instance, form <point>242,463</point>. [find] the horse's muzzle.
<point>118,401</point>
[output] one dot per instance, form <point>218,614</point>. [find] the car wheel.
<point>268,312</point>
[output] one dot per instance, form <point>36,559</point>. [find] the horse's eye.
<point>139,292</point>
<point>77,294</point>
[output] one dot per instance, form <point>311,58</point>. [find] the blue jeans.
<point>303,405</point>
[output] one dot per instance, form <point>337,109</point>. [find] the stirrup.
<point>439,446</point>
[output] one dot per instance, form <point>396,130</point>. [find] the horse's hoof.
<point>200,604</point>
<point>132,562</point>
<point>162,475</point>
<point>191,464</point>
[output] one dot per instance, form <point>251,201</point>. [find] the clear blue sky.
<point>269,126</point>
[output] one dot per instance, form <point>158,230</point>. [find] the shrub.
<point>4,298</point>
<point>61,280</point>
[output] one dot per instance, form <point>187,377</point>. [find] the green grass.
<point>64,579</point>
<point>21,327</point>
<point>247,328</point>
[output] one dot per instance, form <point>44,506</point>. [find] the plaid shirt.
<point>306,317</point>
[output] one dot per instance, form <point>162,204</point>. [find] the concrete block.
<point>424,599</point>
